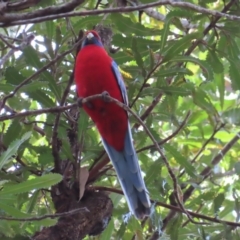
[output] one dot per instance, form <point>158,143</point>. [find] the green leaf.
<point>16,237</point>
<point>127,26</point>
<point>220,82</point>
<point>50,29</point>
<point>168,90</point>
<point>58,36</point>
<point>12,132</point>
<point>201,99</point>
<point>107,234</point>
<point>45,158</point>
<point>7,231</point>
<point>41,97</point>
<point>13,148</point>
<point>137,56</point>
<point>6,88</point>
<point>66,149</point>
<point>135,226</point>
<point>52,84</point>
<point>232,48</point>
<point>179,46</point>
<point>13,76</point>
<point>121,231</point>
<point>218,201</point>
<point>207,71</point>
<point>165,33</point>
<point>202,232</point>
<point>32,57</point>
<point>214,61</point>
<point>170,18</point>
<point>232,116</point>
<point>48,45</point>
<point>181,160</point>
<point>234,73</point>
<point>34,86</point>
<point>151,57</point>
<point>237,167</point>
<point>126,42</point>
<point>173,72</point>
<point>174,226</point>
<point>44,181</point>
<point>179,91</point>
<point>13,211</point>
<point>33,201</point>
<point>153,171</point>
<point>47,222</point>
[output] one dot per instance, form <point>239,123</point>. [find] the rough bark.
<point>76,227</point>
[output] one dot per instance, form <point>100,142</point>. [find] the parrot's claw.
<point>80,102</point>
<point>105,96</point>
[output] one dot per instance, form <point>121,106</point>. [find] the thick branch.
<point>51,13</point>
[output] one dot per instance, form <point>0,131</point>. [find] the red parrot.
<point>96,72</point>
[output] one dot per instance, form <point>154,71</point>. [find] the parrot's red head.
<point>92,37</point>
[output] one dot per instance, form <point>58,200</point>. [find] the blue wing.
<point>120,82</point>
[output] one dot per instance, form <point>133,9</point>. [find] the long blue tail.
<point>129,174</point>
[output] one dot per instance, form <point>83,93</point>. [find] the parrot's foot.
<point>105,96</point>
<point>80,102</point>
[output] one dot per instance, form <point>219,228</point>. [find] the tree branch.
<point>38,112</point>
<point>169,137</point>
<point>56,215</point>
<point>52,13</point>
<point>172,207</point>
<point>26,41</point>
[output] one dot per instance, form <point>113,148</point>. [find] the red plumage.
<point>93,73</point>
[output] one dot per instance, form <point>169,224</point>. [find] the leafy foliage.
<point>186,63</point>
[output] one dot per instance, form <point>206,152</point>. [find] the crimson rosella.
<point>96,72</point>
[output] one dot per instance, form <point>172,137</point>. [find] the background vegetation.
<point>180,61</point>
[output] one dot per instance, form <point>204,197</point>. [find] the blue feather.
<point>120,82</point>
<point>129,174</point>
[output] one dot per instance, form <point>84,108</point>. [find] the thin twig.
<point>26,41</point>
<point>207,171</point>
<point>35,127</point>
<point>169,137</point>
<point>56,215</point>
<point>145,81</point>
<point>204,146</point>
<point>2,37</point>
<point>96,169</point>
<point>38,112</point>
<point>55,150</point>
<point>172,207</point>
